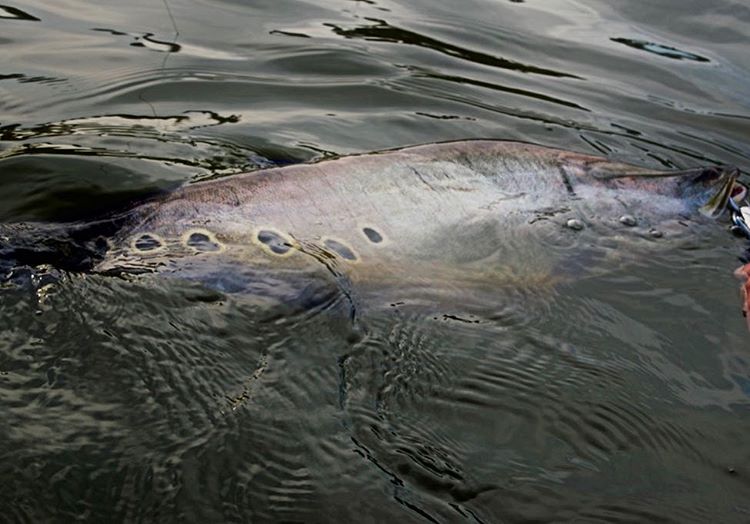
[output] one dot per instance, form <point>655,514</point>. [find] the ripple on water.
<point>382,31</point>
<point>147,147</point>
<point>199,376</point>
<point>659,49</point>
<point>400,365</point>
<point>526,419</point>
<point>166,44</point>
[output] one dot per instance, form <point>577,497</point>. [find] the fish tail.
<point>70,247</point>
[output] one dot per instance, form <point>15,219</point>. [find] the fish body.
<point>444,206</point>
<point>467,214</point>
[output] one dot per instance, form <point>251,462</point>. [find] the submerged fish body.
<point>469,213</point>
<point>451,216</point>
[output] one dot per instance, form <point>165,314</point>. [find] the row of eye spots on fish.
<point>277,244</point>
<point>274,242</point>
<point>203,241</point>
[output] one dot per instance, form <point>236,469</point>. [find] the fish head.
<point>706,190</point>
<point>711,189</point>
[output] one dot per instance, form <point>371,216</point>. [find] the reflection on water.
<point>146,40</point>
<point>380,31</point>
<point>618,398</point>
<point>661,50</point>
<point>11,12</point>
<point>24,79</point>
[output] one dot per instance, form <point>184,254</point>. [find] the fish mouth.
<point>728,189</point>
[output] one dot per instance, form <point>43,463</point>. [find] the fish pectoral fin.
<point>743,273</point>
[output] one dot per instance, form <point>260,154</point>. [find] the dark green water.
<point>622,398</point>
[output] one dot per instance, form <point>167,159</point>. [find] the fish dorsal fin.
<point>585,168</point>
<point>612,170</point>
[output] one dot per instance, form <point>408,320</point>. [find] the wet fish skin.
<point>469,211</point>
<point>417,183</point>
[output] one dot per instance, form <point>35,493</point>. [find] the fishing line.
<point>174,23</point>
<point>176,34</point>
<point>171,50</point>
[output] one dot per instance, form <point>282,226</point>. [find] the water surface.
<point>619,398</point>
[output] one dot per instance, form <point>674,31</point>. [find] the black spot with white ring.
<point>340,249</point>
<point>147,242</point>
<point>274,241</point>
<point>202,242</point>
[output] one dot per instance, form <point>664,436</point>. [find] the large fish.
<point>442,219</point>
